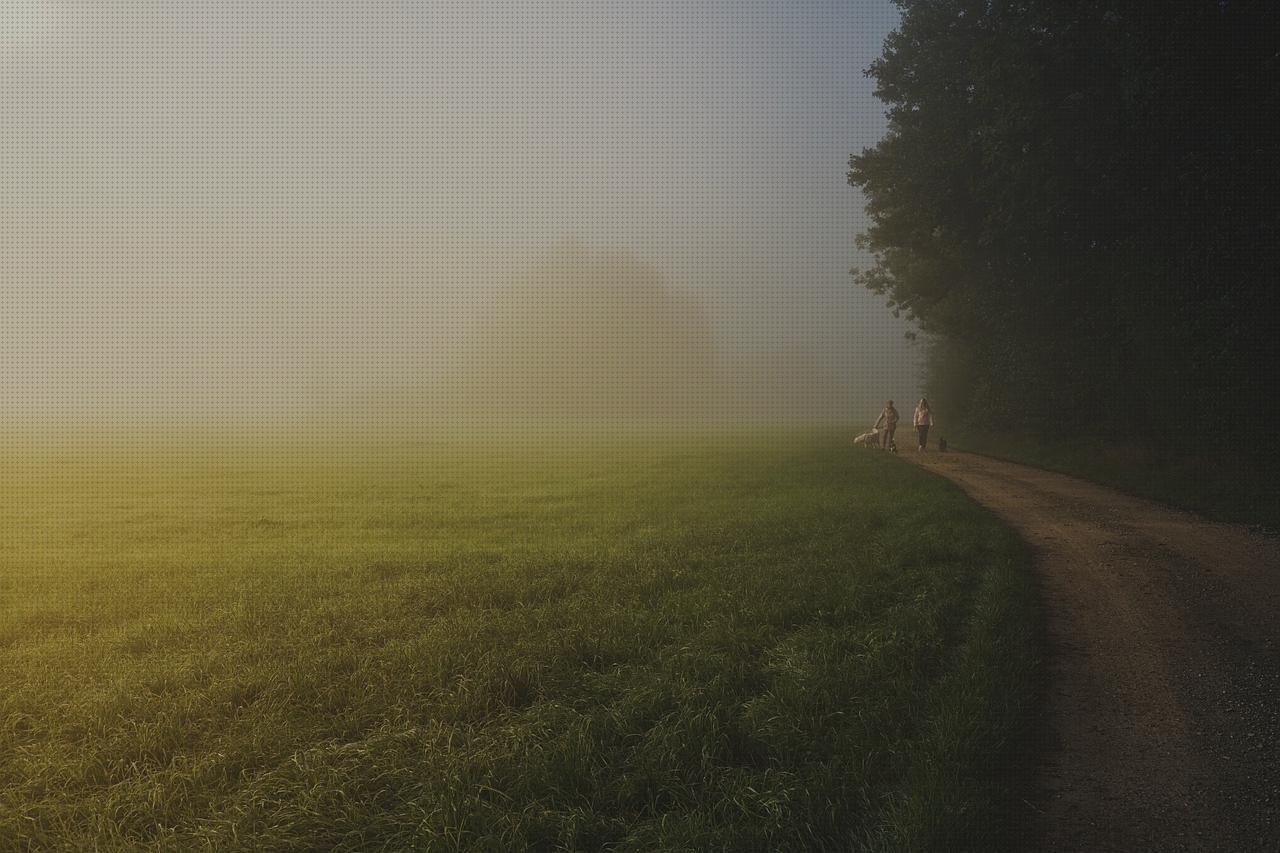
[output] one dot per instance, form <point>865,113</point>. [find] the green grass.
<point>1215,480</point>
<point>756,642</point>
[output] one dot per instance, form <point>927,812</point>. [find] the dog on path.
<point>868,439</point>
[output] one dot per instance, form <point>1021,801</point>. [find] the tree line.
<point>1076,201</point>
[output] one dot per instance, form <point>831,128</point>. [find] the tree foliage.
<point>1077,200</point>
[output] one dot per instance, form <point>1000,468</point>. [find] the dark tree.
<point>1078,200</point>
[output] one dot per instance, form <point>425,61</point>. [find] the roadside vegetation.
<point>1220,487</point>
<point>753,642</point>
<point>1076,205</point>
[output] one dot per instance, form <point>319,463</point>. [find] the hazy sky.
<point>222,203</point>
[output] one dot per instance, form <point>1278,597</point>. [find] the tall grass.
<point>754,642</point>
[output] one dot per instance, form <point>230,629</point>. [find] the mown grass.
<point>1213,479</point>
<point>764,642</point>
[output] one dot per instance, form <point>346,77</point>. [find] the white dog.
<point>868,439</point>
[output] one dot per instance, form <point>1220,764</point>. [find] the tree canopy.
<point>1076,200</point>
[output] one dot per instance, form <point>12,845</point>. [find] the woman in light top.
<point>887,422</point>
<point>923,420</point>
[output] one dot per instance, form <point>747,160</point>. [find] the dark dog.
<point>942,445</point>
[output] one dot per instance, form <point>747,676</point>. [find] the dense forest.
<point>1076,201</point>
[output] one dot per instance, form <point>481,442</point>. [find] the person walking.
<point>923,420</point>
<point>888,420</point>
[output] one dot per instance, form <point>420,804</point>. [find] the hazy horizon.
<point>253,210</point>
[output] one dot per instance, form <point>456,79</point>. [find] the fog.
<point>424,212</point>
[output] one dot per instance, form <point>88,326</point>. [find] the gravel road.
<point>1162,717</point>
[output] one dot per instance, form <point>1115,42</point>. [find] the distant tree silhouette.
<point>589,334</point>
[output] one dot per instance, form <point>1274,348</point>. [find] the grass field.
<point>761,642</point>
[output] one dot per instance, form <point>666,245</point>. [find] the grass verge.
<point>1217,484</point>
<point>745,643</point>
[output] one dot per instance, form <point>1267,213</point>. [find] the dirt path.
<point>1162,719</point>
